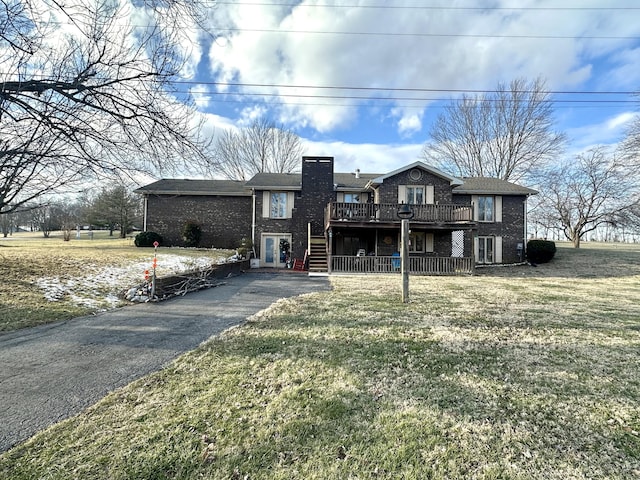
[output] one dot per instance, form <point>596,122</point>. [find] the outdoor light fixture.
<point>405,213</point>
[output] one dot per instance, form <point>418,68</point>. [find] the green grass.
<point>515,373</point>
<point>27,257</point>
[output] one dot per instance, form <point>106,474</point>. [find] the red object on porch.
<point>298,264</point>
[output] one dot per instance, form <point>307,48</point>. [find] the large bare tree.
<point>594,189</point>
<point>504,134</point>
<point>261,147</point>
<point>85,93</point>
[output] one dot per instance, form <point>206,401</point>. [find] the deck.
<point>388,212</point>
<point>417,265</point>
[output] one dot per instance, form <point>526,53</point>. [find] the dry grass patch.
<point>48,279</point>
<point>511,374</point>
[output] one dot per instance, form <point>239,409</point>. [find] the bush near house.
<point>540,251</point>
<point>146,239</point>
<point>191,234</point>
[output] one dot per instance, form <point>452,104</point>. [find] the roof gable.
<point>453,181</point>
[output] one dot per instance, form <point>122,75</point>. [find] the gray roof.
<point>178,186</point>
<point>485,185</point>
<point>292,181</point>
<point>348,181</point>
<point>281,181</point>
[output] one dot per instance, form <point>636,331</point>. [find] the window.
<point>485,209</point>
<point>278,205</point>
<point>415,195</point>
<point>485,249</point>
<point>420,242</point>
<point>352,198</point>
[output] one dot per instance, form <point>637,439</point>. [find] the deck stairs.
<point>317,254</point>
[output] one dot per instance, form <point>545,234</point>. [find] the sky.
<point>364,80</point>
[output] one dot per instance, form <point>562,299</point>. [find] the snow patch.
<point>98,287</point>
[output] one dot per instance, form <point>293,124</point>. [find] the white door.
<point>272,253</point>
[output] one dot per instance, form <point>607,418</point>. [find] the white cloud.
<point>451,61</point>
<point>610,131</point>
<point>409,124</point>
<point>200,94</point>
<point>368,157</point>
<point>476,50</point>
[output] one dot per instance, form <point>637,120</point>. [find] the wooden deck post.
<point>404,258</point>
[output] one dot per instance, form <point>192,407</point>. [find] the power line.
<point>420,7</point>
<point>394,89</point>
<point>428,35</point>
<point>354,97</point>
<point>394,105</point>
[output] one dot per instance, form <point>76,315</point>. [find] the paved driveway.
<point>51,372</point>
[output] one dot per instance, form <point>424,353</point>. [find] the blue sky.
<point>403,60</point>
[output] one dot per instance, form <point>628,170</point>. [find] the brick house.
<point>348,222</point>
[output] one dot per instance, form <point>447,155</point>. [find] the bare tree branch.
<point>262,147</point>
<point>95,100</point>
<point>506,134</point>
<point>593,190</point>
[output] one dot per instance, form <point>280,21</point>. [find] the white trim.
<point>402,194</point>
<point>429,194</point>
<point>290,200</point>
<point>429,242</point>
<point>474,202</point>
<point>497,206</point>
<point>497,250</point>
<point>266,204</point>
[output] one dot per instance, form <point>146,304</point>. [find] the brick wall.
<point>317,192</point>
<point>388,191</point>
<point>224,220</point>
<point>511,229</point>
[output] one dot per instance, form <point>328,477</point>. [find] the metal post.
<point>155,264</point>
<point>404,258</point>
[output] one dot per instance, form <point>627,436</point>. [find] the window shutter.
<point>266,204</point>
<point>476,249</point>
<point>364,197</point>
<point>498,252</point>
<point>340,197</point>
<point>498,205</point>
<point>290,197</point>
<point>402,194</point>
<point>474,200</point>
<point>428,242</point>
<point>430,194</point>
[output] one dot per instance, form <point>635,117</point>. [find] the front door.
<point>274,251</point>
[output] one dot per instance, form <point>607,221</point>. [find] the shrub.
<point>191,234</point>
<point>540,251</point>
<point>245,247</point>
<point>146,239</point>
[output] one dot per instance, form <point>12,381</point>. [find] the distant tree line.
<point>113,208</point>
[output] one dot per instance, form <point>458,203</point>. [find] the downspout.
<point>253,220</point>
<point>526,232</point>
<point>145,208</point>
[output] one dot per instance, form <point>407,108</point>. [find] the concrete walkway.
<point>52,372</point>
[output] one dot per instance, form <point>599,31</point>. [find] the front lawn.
<point>47,279</point>
<point>515,373</point>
